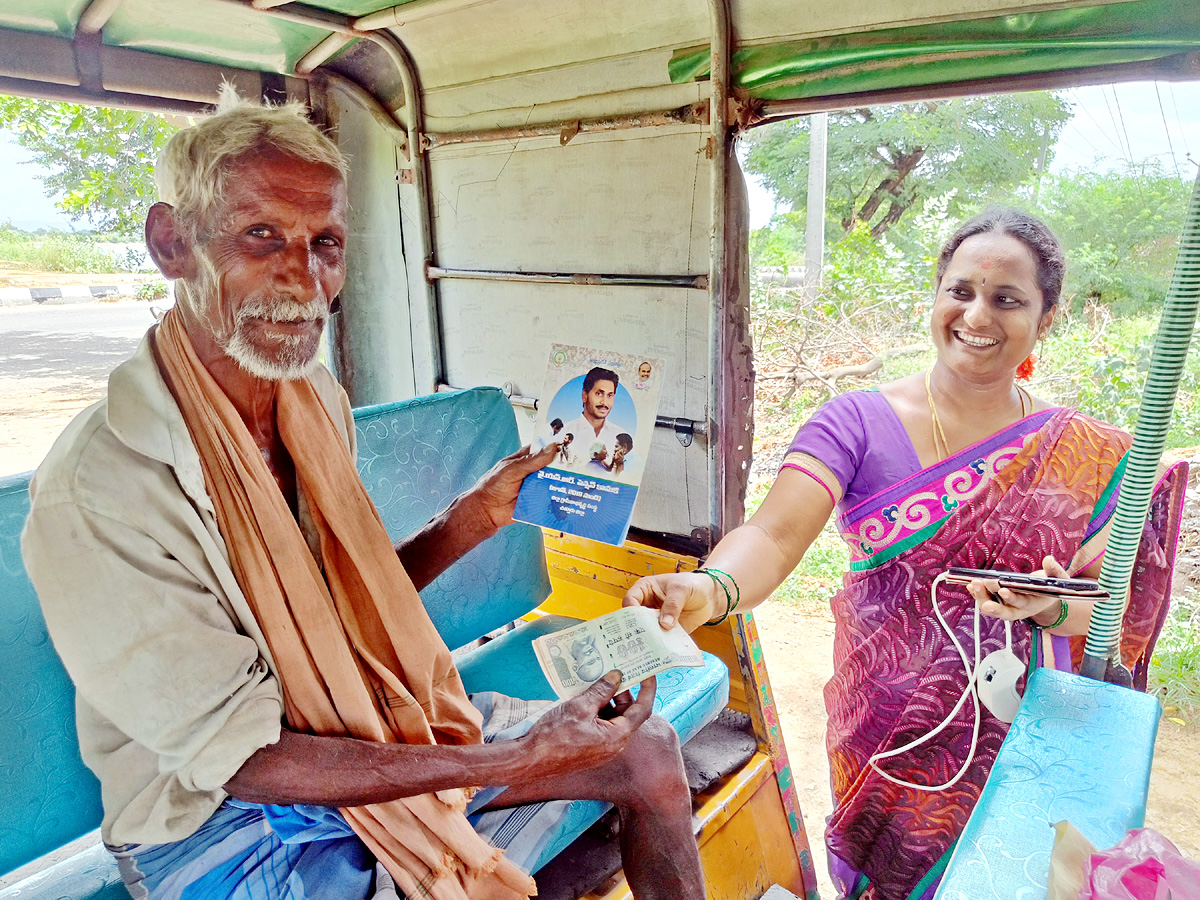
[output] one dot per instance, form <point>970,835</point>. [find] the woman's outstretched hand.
<point>1014,605</point>
<point>684,597</point>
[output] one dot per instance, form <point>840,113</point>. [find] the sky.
<point>23,200</point>
<point>1138,120</point>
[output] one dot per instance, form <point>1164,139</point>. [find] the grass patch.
<point>1175,666</point>
<point>61,251</point>
<point>819,575</point>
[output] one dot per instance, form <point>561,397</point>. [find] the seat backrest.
<point>415,457</point>
<point>49,796</point>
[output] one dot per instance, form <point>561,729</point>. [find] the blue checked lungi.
<point>251,851</point>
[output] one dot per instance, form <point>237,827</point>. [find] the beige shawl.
<point>354,649</point>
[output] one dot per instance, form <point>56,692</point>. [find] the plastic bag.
<point>1143,866</point>
<point>1068,862</point>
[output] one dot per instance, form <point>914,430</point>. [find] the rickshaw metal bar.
<point>96,15</point>
<point>395,50</point>
<point>368,102</point>
<point>1177,67</point>
<point>698,282</point>
<point>413,11</point>
<point>302,14</point>
<point>414,103</point>
<point>1176,325</point>
<point>70,93</point>
<point>691,114</point>
<point>722,37</point>
<point>322,52</point>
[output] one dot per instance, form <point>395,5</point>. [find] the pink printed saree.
<point>1040,487</point>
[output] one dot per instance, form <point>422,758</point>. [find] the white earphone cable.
<point>969,690</point>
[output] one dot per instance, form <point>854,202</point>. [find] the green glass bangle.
<point>736,588</point>
<point>1063,612</point>
<point>724,590</point>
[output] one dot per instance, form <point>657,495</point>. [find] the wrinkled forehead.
<point>265,178</point>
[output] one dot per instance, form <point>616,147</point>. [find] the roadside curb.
<point>70,293</point>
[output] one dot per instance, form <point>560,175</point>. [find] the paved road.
<point>80,342</point>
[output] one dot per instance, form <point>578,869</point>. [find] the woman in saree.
<point>957,466</point>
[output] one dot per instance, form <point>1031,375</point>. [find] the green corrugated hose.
<point>1154,420</point>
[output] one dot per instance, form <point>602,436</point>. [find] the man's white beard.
<point>295,356</point>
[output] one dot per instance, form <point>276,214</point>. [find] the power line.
<point>1170,146</point>
<point>1179,119</point>
<point>1127,149</point>
<point>1099,127</point>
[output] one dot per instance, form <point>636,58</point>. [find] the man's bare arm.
<point>334,771</point>
<point>471,519</point>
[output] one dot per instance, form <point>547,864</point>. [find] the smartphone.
<point>1068,588</point>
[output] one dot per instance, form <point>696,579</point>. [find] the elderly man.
<point>267,706</point>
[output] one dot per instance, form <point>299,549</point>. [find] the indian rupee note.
<point>629,640</point>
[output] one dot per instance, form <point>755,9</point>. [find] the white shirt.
<point>175,686</point>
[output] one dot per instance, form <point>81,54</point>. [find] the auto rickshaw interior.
<point>524,172</point>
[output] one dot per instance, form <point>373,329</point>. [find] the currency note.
<point>629,640</point>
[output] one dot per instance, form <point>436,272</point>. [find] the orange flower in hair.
<point>1025,369</point>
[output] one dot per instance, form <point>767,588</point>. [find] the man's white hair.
<point>194,166</point>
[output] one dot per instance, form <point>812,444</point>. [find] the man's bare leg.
<point>648,786</point>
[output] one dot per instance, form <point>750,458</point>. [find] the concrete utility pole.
<point>814,228</point>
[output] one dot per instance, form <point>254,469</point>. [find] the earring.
<point>1025,369</point>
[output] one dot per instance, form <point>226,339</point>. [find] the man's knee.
<point>654,766</point>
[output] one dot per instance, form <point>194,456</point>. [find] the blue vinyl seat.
<point>415,457</point>
<point>1078,750</point>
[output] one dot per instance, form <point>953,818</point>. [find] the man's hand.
<point>574,736</point>
<point>495,494</point>
<point>684,597</point>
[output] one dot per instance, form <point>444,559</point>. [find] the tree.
<point>883,160</point>
<point>101,160</point>
<point>1120,230</point>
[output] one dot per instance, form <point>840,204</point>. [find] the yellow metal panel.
<point>719,806</point>
<point>751,852</point>
<point>744,845</point>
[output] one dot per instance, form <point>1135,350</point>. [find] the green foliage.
<point>1097,362</point>
<point>1120,230</point>
<point>1175,666</point>
<point>101,160</point>
<point>53,252</point>
<point>151,290</point>
<point>780,243</point>
<point>883,161</point>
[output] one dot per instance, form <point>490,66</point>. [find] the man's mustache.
<point>282,308</point>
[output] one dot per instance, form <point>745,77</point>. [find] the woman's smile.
<point>973,340</point>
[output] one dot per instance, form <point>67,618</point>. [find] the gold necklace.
<point>1022,394</point>
<point>939,433</point>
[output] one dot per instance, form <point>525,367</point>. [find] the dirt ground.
<point>798,646</point>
